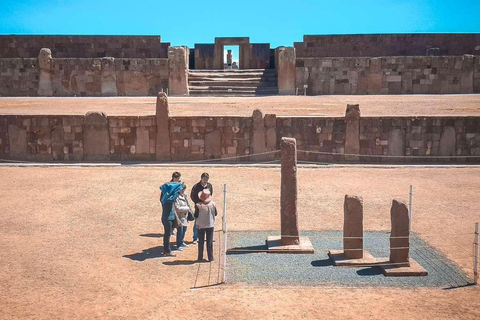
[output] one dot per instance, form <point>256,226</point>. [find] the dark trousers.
<point>168,227</point>
<point>201,242</point>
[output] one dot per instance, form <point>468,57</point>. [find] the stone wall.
<point>389,75</point>
<point>19,77</point>
<point>384,45</point>
<point>321,139</point>
<point>17,46</point>
<point>85,77</point>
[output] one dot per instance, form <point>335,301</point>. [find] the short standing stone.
<point>399,241</point>
<point>447,142</point>
<point>288,195</point>
<point>96,136</point>
<point>353,227</point>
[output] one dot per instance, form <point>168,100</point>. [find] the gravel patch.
<point>318,270</point>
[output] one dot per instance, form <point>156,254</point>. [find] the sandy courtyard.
<point>65,233</point>
<point>370,105</point>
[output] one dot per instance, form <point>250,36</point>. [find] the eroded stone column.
<point>285,65</point>
<point>288,195</point>
<point>162,145</point>
<point>109,77</point>
<point>45,87</point>
<point>353,227</point>
<point>258,135</point>
<point>96,137</point>
<point>448,142</point>
<point>177,71</point>
<point>271,135</point>
<point>396,144</point>
<point>399,241</point>
<point>352,138</point>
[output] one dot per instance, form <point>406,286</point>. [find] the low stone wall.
<point>389,75</point>
<point>97,137</point>
<point>18,77</point>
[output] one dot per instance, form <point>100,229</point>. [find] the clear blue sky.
<point>278,22</point>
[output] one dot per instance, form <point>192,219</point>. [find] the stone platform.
<point>395,270</point>
<point>274,245</point>
<point>339,259</point>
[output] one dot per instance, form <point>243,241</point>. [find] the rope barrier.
<point>384,156</point>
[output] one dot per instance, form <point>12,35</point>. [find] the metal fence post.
<point>224,227</point>
<point>410,213</point>
<point>475,258</point>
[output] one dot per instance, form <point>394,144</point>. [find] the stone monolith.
<point>288,195</point>
<point>353,227</point>
<point>45,87</point>
<point>162,146</point>
<point>399,241</point>
<point>96,137</point>
<point>352,139</point>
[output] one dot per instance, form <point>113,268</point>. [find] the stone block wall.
<point>194,138</point>
<point>86,77</point>
<point>96,137</point>
<point>19,77</point>
<point>389,75</point>
<point>382,45</point>
<point>26,46</point>
<point>204,56</point>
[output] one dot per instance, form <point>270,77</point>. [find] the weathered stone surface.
<point>353,227</point>
<point>178,71</point>
<point>285,65</point>
<point>17,139</point>
<point>58,144</point>
<point>399,241</point>
<point>352,140</point>
<point>396,143</point>
<point>213,145</point>
<point>45,75</point>
<point>96,137</point>
<point>142,142</point>
<point>162,148</point>
<point>258,135</point>
<point>448,142</point>
<point>109,77</point>
<point>135,83</point>
<point>271,135</point>
<point>289,190</point>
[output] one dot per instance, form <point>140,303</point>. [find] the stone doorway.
<point>231,57</point>
<point>243,44</point>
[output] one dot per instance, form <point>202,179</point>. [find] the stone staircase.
<point>247,82</point>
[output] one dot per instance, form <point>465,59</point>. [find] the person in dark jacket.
<point>196,189</point>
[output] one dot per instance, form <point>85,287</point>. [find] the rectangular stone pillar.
<point>285,64</point>
<point>271,135</point>
<point>96,137</point>
<point>352,138</point>
<point>288,194</point>
<point>177,71</point>
<point>109,77</point>
<point>162,145</point>
<point>399,238</point>
<point>353,227</point>
<point>258,144</point>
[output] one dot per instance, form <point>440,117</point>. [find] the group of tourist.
<point>177,213</point>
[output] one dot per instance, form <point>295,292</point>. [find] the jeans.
<point>201,243</point>
<point>195,232</point>
<point>168,227</point>
<point>181,235</point>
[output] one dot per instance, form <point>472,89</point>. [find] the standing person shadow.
<point>151,253</point>
<point>152,235</point>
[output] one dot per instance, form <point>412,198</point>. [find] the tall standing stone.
<point>258,135</point>
<point>162,146</point>
<point>271,135</point>
<point>353,227</point>
<point>352,139</point>
<point>109,77</point>
<point>177,71</point>
<point>288,195</point>
<point>399,241</point>
<point>17,140</point>
<point>96,137</point>
<point>448,142</point>
<point>396,144</point>
<point>45,87</point>
<point>285,64</point>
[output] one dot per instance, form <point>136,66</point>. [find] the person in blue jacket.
<point>170,192</point>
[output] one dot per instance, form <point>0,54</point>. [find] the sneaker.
<point>180,249</point>
<point>184,245</point>
<point>201,260</point>
<point>194,242</point>
<point>170,254</point>
<point>211,260</point>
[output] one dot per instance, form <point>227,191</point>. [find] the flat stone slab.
<point>393,270</point>
<point>339,259</point>
<point>274,245</point>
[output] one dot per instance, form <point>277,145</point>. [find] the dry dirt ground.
<point>65,232</point>
<point>370,105</point>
